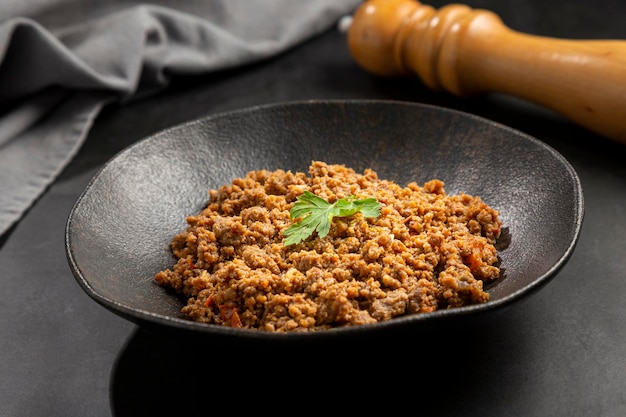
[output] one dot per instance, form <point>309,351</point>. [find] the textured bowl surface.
<point>119,231</point>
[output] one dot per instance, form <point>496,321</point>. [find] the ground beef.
<point>426,251</point>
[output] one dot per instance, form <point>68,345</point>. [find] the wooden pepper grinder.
<point>467,51</point>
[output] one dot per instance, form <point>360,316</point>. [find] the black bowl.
<point>119,231</point>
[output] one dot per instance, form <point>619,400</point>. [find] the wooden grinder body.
<point>467,51</point>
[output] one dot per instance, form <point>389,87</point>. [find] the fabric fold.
<point>61,61</point>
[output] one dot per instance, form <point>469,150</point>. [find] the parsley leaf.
<point>316,214</point>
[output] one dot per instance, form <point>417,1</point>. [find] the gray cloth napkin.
<point>61,61</point>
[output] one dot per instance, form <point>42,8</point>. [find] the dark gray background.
<point>562,352</point>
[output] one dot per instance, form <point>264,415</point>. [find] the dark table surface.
<point>561,352</point>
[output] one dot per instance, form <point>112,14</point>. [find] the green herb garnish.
<point>316,214</point>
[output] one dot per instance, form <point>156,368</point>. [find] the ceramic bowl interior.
<point>119,231</point>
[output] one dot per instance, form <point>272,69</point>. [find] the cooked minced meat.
<point>426,251</point>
